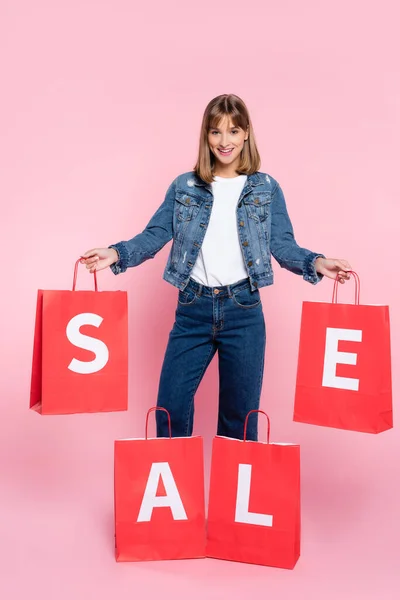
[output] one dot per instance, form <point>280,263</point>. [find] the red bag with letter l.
<point>254,505</point>
<point>159,498</point>
<point>80,353</point>
<point>344,366</point>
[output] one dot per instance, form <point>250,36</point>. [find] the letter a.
<point>171,499</point>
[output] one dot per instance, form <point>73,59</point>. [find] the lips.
<point>225,152</point>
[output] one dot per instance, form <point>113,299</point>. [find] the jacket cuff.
<point>123,258</point>
<point>309,272</point>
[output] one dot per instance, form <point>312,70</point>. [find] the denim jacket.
<point>263,224</point>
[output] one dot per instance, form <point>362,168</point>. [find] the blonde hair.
<point>231,106</point>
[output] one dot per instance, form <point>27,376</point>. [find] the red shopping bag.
<point>80,353</point>
<point>159,498</point>
<point>254,505</point>
<point>344,366</point>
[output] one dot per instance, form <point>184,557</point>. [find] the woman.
<point>226,218</point>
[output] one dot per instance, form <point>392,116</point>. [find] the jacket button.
<point>257,200</point>
<point>245,243</point>
<point>187,201</point>
<point>255,284</point>
<point>249,264</point>
<point>241,223</point>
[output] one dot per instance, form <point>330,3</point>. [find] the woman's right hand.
<point>99,258</point>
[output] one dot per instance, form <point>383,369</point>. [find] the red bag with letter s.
<point>80,354</point>
<point>344,366</point>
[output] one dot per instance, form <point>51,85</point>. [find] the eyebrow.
<point>233,127</point>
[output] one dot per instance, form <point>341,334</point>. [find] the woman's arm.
<point>284,247</point>
<point>146,244</point>
<point>311,265</point>
<point>142,246</point>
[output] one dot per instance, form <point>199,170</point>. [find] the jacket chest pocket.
<point>186,207</point>
<point>257,206</point>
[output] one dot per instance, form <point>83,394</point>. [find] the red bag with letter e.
<point>159,498</point>
<point>80,352</point>
<point>254,505</point>
<point>344,366</point>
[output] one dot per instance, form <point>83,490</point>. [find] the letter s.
<point>87,343</point>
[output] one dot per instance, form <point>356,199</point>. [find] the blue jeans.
<point>229,319</point>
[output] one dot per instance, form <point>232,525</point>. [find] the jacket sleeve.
<point>146,244</point>
<point>284,247</point>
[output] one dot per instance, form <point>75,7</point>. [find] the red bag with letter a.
<point>80,352</point>
<point>254,505</point>
<point>344,367</point>
<point>159,498</point>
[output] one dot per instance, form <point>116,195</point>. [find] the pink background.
<point>100,110</point>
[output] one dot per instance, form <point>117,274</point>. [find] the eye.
<point>235,130</point>
<point>213,132</point>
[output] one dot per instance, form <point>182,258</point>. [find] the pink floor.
<point>56,524</point>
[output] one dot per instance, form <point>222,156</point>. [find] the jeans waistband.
<point>220,291</point>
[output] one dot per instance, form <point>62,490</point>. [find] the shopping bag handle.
<point>357,288</point>
<point>268,423</point>
<point>158,408</point>
<point>76,275</point>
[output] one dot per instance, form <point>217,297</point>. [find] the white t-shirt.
<point>220,260</point>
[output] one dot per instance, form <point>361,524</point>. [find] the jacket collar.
<point>253,180</point>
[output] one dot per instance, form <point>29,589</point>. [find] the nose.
<point>224,140</point>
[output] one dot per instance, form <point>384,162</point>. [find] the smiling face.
<point>226,142</point>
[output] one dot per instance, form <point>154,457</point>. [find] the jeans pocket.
<point>246,298</point>
<point>187,297</point>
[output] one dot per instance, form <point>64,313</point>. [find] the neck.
<point>222,170</point>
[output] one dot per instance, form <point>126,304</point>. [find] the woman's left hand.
<point>331,267</point>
